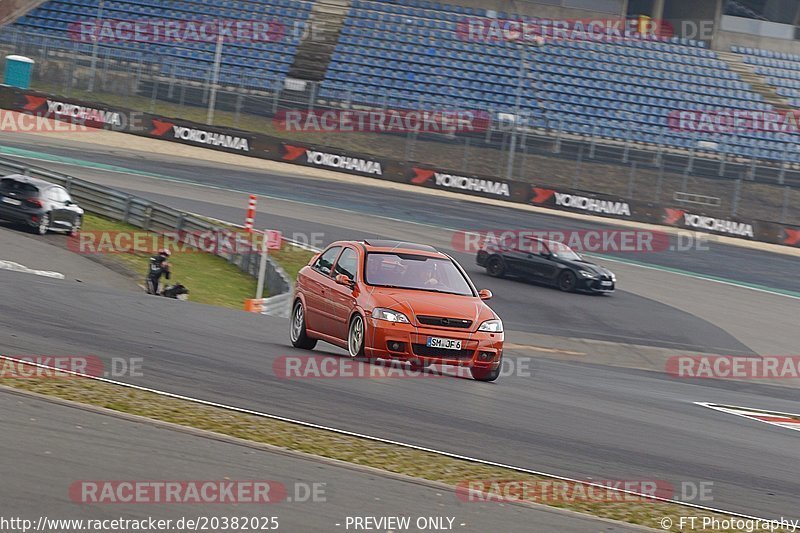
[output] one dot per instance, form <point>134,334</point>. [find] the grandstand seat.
<point>53,18</point>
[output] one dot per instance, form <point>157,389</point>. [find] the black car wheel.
<point>76,227</point>
<point>567,281</point>
<point>496,267</point>
<point>44,224</point>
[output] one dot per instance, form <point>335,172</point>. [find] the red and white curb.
<point>775,418</point>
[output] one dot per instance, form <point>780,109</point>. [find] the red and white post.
<point>251,214</point>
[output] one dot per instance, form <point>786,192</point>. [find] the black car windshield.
<point>562,251</point>
<point>417,272</point>
<point>12,185</point>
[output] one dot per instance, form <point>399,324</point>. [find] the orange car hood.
<point>411,303</point>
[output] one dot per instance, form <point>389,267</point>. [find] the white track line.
<point>695,275</point>
<point>16,267</point>
<point>754,414</point>
<point>378,439</point>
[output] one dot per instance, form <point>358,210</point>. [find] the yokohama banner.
<point>89,114</point>
<point>200,135</point>
<point>331,159</point>
<point>469,184</point>
<point>692,220</point>
<point>590,203</point>
<point>93,116</point>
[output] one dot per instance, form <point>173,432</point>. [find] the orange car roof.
<point>379,245</point>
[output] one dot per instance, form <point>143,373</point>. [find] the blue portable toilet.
<point>18,71</point>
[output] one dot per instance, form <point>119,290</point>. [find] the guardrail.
<point>156,217</point>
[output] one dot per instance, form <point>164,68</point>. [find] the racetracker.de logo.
<point>734,120</point>
<point>68,366</point>
<point>734,367</point>
<point>530,241</point>
<point>555,491</point>
<point>383,121</point>
<point>539,31</point>
<point>14,122</point>
<point>214,242</point>
<point>176,31</point>
<point>178,492</point>
<point>323,367</point>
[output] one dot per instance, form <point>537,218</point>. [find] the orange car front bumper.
<point>393,340</point>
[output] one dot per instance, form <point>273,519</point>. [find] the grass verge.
<point>210,279</point>
<point>392,458</point>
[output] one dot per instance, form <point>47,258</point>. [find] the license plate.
<point>11,201</point>
<point>606,283</point>
<point>446,344</point>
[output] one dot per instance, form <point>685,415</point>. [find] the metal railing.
<point>158,218</point>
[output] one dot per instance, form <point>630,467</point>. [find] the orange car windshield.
<point>416,272</point>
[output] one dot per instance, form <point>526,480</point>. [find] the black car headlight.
<point>587,274</point>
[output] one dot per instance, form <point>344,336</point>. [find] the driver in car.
<point>423,274</point>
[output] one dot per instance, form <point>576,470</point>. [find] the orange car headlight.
<point>492,326</point>
<point>381,313</point>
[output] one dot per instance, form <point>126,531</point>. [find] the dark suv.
<point>38,204</point>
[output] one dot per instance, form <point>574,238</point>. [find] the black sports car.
<point>547,262</point>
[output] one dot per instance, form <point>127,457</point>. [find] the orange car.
<point>396,300</point>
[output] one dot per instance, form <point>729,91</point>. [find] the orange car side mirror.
<point>343,279</point>
<point>485,294</point>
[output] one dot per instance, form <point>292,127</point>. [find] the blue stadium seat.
<point>408,53</point>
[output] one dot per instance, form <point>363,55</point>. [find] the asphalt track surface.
<point>574,419</point>
<point>773,270</point>
<point>45,451</point>
<point>628,317</point>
